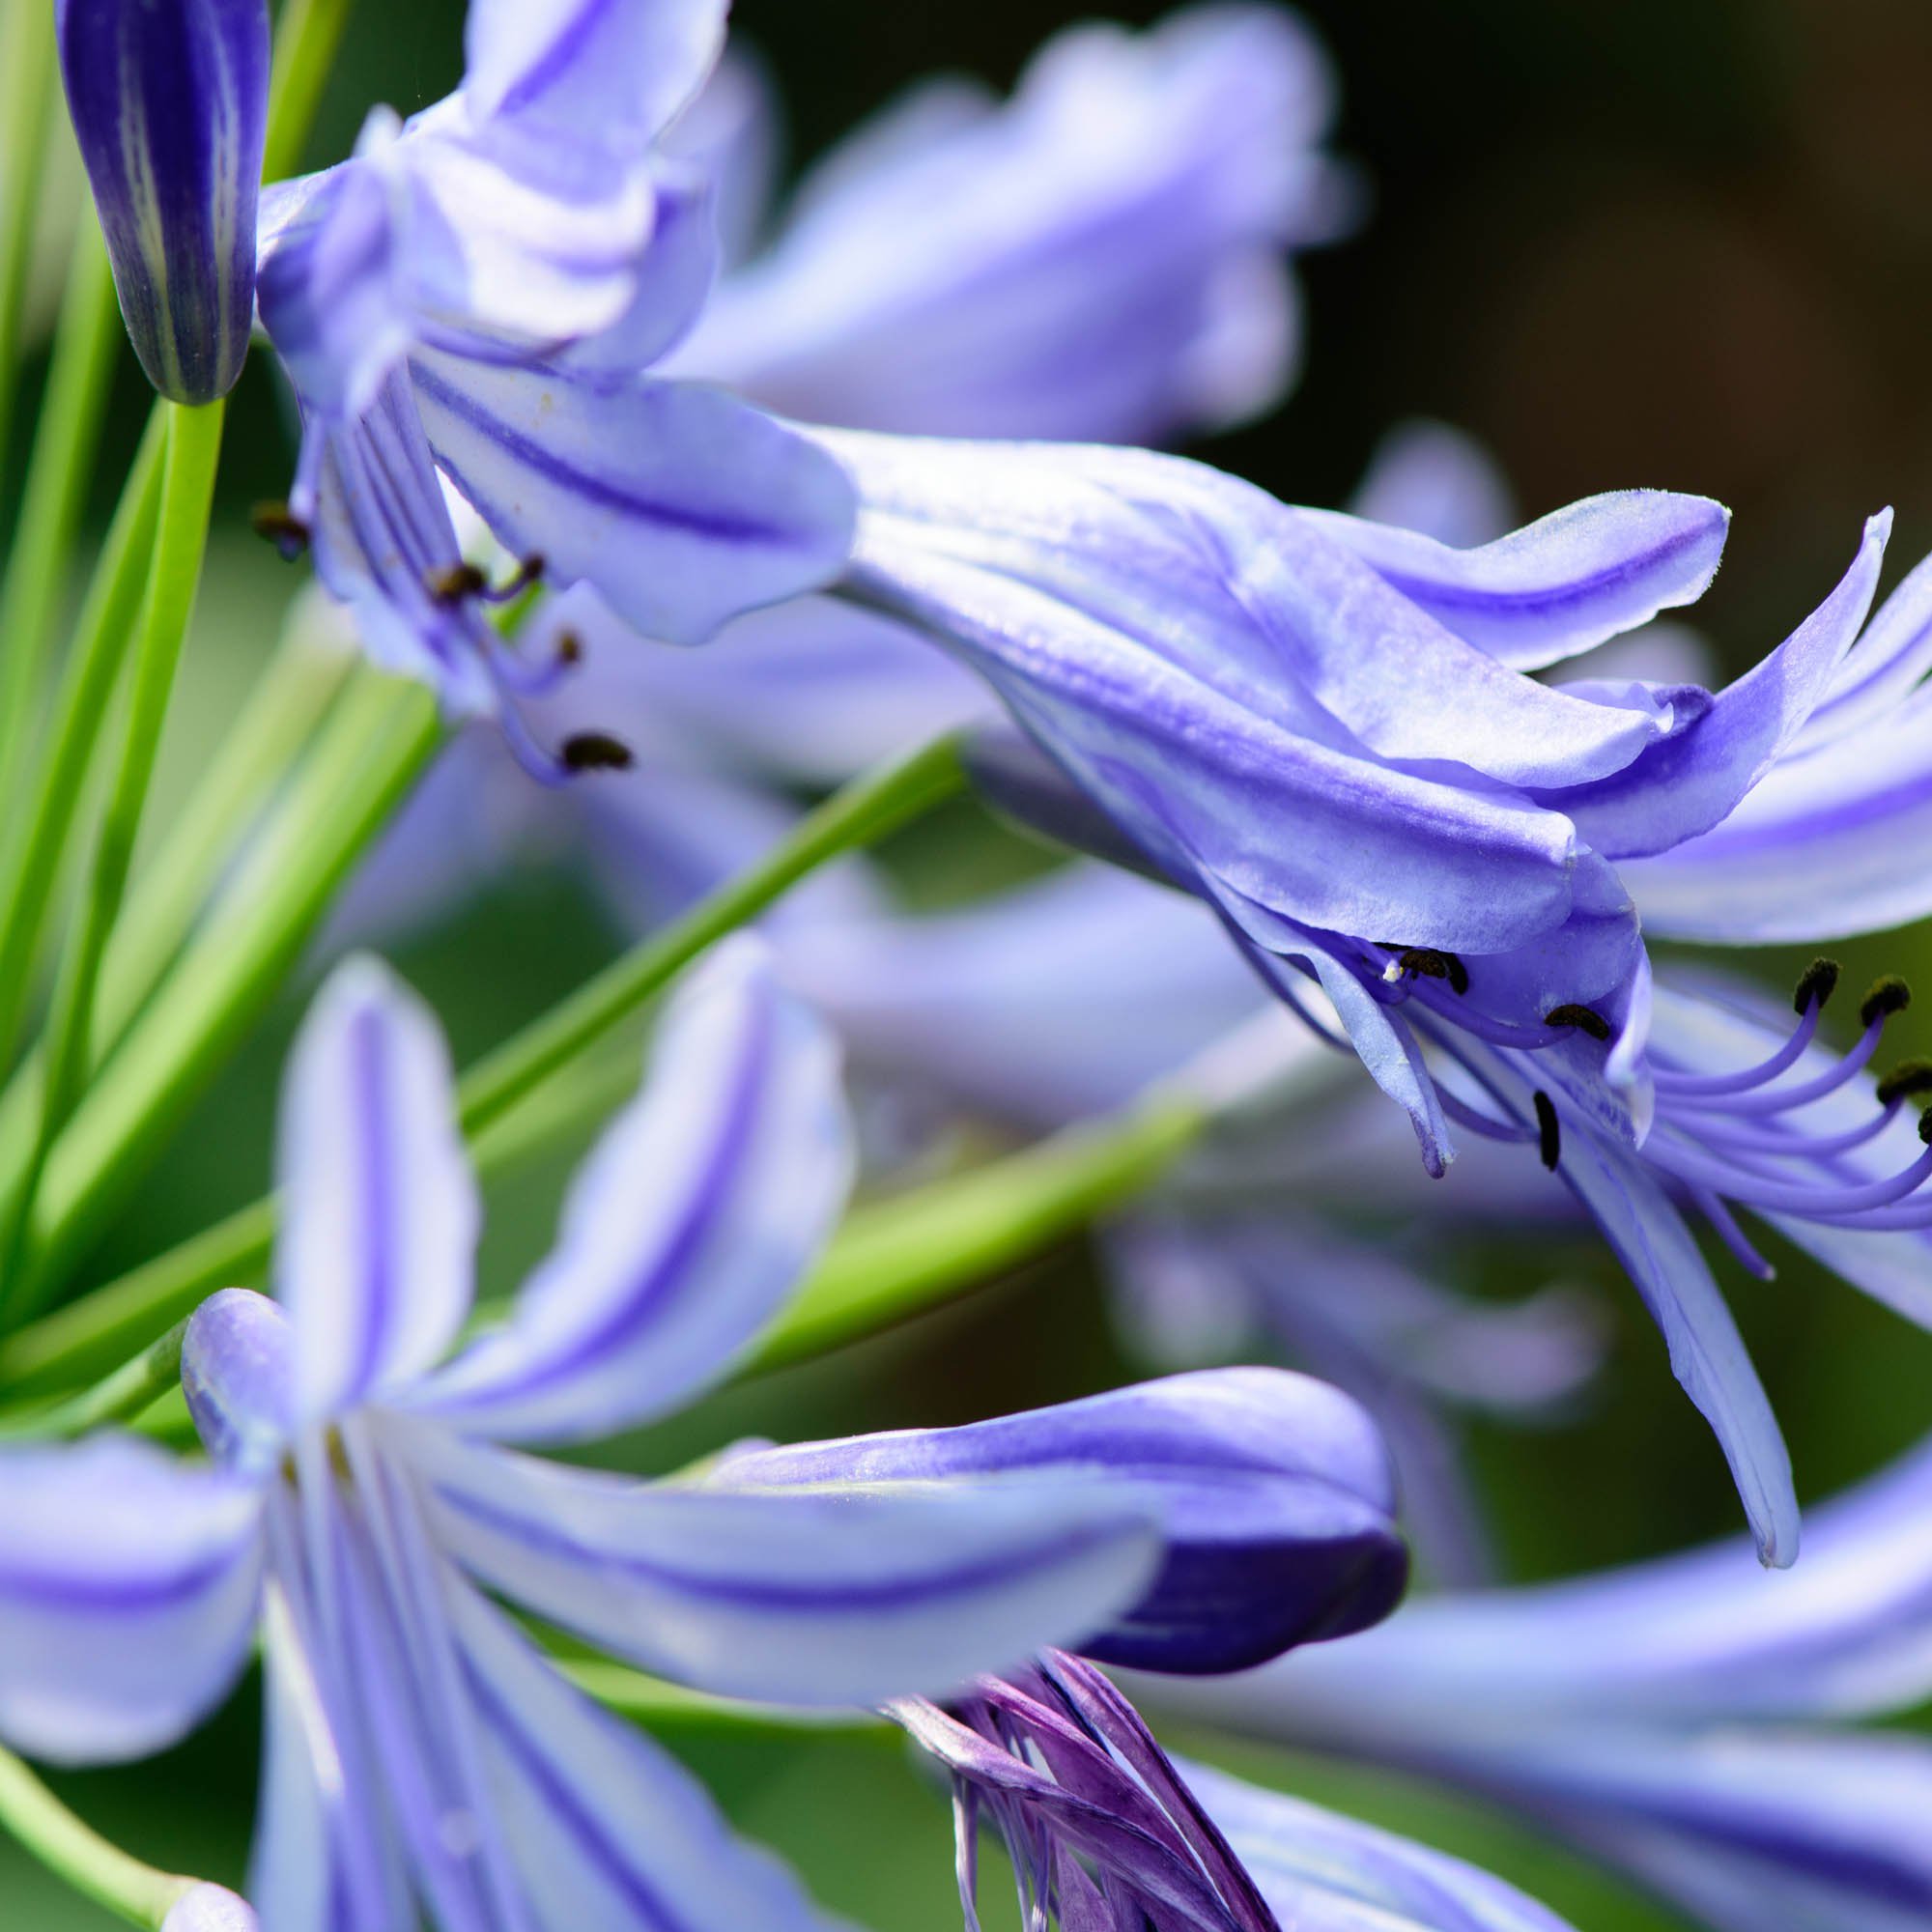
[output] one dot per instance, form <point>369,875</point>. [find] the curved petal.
<point>846,1596</point>
<point>1432,478</point>
<point>1322,1872</point>
<point>682,505</point>
<point>1559,585</point>
<point>1694,779</point>
<point>686,1230</point>
<point>129,1588</point>
<point>562,66</point>
<point>1273,1491</point>
<point>376,1257</point>
<point>608,1830</point>
<point>1883,668</point>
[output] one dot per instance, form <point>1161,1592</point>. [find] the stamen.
<point>569,648</point>
<point>1710,1085</point>
<point>1737,1184</point>
<point>455,583</point>
<point>595,752</point>
<point>1887,996</point>
<point>1426,962</point>
<point>1585,1019</point>
<point>282,528</point>
<point>1724,1225</point>
<point>1816,985</point>
<point>1548,1134</point>
<point>1476,1120</point>
<point>1908,1078</point>
<point>529,572</point>
<point>1783,1099</point>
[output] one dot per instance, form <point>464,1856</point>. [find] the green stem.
<point>81,709</point>
<point>861,814</point>
<point>662,1706</point>
<point>27,91</point>
<point>128,1392</point>
<point>306,38</point>
<point>59,471</point>
<point>903,1255</point>
<point>78,1854</point>
<point>378,742</point>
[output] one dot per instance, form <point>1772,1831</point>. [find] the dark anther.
<point>281,526</point>
<point>1887,996</point>
<point>569,647</point>
<point>1585,1019</point>
<point>455,582</point>
<point>1926,1127</point>
<point>1907,1077</point>
<point>1549,1136</point>
<point>530,571</point>
<point>1459,973</point>
<point>1429,962</point>
<point>1816,985</point>
<point>594,752</point>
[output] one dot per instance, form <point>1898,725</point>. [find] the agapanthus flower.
<point>420,1747</point>
<point>1690,1719</point>
<point>1104,1829</point>
<point>211,1908</point>
<point>170,106</point>
<point>1320,725</point>
<point>1102,257</point>
<point>475,296</point>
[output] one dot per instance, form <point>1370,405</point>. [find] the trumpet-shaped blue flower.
<point>358,1506</point>
<point>1104,1829</point>
<point>1319,725</point>
<point>1102,257</point>
<point>170,106</point>
<point>474,297</point>
<point>1689,1720</point>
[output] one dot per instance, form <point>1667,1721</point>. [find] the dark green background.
<point>1673,242</point>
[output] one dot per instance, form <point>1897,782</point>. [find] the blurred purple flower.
<point>1684,1719</point>
<point>420,1747</point>
<point>477,293</point>
<point>209,1907</point>
<point>1104,1829</point>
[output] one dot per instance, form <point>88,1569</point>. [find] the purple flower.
<point>474,297</point>
<point>1103,1829</point>
<point>170,104</point>
<point>1689,1720</point>
<point>1319,725</point>
<point>359,1505</point>
<point>209,1907</point>
<point>1102,257</point>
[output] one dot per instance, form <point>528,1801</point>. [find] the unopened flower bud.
<point>210,1908</point>
<point>169,99</point>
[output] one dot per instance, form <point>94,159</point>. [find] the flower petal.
<point>1432,478</point>
<point>129,1588</point>
<point>376,1257</point>
<point>849,1595</point>
<point>687,1229</point>
<point>1273,1491</point>
<point>1694,779</point>
<point>1322,1872</point>
<point>1559,585</point>
<point>681,504</point>
<point>608,1830</point>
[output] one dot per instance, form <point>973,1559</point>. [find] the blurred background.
<point>1673,243</point>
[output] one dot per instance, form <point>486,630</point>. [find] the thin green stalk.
<point>903,1255</point>
<point>306,38</point>
<point>81,707</point>
<point>128,1393</point>
<point>258,752</point>
<point>78,1854</point>
<point>27,91</point>
<point>378,742</point>
<point>861,814</point>
<point>66,442</point>
<point>672,1707</point>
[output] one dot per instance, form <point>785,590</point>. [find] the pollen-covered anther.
<point>281,526</point>
<point>1907,1078</point>
<point>526,573</point>
<point>452,584</point>
<point>1585,1019</point>
<point>569,648</point>
<point>1425,962</point>
<point>1888,995</point>
<point>1548,1132</point>
<point>595,752</point>
<point>1816,985</point>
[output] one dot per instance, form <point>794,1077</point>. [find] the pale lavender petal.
<point>1884,668</point>
<point>682,505</point>
<point>1322,1872</point>
<point>210,1908</point>
<point>733,134</point>
<point>1694,779</point>
<point>836,1594</point>
<point>376,1257</point>
<point>1273,1493</point>
<point>1432,478</point>
<point>1559,585</point>
<point>606,1829</point>
<point>128,1590</point>
<point>239,1377</point>
<point>687,1229</point>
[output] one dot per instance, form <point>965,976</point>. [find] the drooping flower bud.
<point>210,1908</point>
<point>169,99</point>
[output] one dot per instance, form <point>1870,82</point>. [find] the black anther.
<point>1549,1135</point>
<point>1585,1019</point>
<point>1816,985</point>
<point>1887,996</point>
